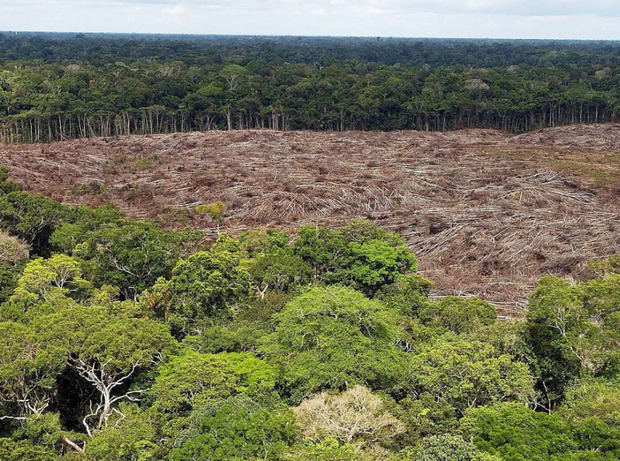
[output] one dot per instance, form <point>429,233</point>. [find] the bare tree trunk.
<point>72,444</point>
<point>228,113</point>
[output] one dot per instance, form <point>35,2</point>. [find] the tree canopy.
<point>57,86</point>
<point>122,341</point>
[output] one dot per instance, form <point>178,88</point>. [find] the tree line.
<point>101,49</point>
<point>122,341</point>
<point>177,85</point>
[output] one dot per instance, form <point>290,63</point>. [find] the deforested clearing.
<point>486,212</point>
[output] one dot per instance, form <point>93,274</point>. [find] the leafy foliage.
<point>193,379</point>
<point>573,328</point>
<point>6,185</point>
<point>330,338</point>
<point>466,374</point>
<point>326,450</point>
<point>214,210</point>
<point>31,218</point>
<point>20,450</point>
<point>43,279</point>
<point>104,350</point>
<point>105,86</point>
<point>459,315</point>
<point>280,272</point>
<point>446,448</point>
<point>237,429</point>
<point>130,436</point>
<point>334,322</point>
<point>27,372</point>
<point>13,255</point>
<point>592,409</point>
<point>207,285</point>
<point>408,294</point>
<point>131,256</point>
<point>360,255</point>
<point>540,436</point>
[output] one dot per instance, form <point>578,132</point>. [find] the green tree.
<point>280,272</point>
<point>6,185</point>
<point>44,432</point>
<point>408,294</point>
<point>44,279</point>
<point>27,373</point>
<point>129,436</point>
<point>321,248</point>
<point>237,429</point>
<point>459,315</point>
<point>331,338</point>
<point>81,224</point>
<point>539,436</point>
<point>13,256</point>
<point>31,218</point>
<point>446,448</point>
<point>325,450</point>
<point>205,287</point>
<point>21,450</point>
<point>573,328</point>
<point>131,256</point>
<point>468,374</point>
<point>254,243</point>
<point>105,350</point>
<point>360,255</point>
<point>592,409</point>
<point>244,332</point>
<point>376,263</point>
<point>193,379</point>
<point>423,416</point>
<point>214,210</point>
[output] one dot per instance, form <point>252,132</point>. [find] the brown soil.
<point>486,212</point>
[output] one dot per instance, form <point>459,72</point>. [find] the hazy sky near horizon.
<point>560,19</point>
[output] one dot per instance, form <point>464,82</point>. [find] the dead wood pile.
<point>487,213</point>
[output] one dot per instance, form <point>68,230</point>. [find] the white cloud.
<point>174,10</point>
<point>596,19</point>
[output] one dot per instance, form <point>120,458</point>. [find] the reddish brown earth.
<point>486,212</point>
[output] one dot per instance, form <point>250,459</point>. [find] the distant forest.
<point>62,86</point>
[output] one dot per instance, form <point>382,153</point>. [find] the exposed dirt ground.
<point>486,212</point>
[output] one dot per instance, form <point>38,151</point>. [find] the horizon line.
<point>386,37</point>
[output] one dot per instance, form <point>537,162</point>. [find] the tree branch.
<point>72,444</point>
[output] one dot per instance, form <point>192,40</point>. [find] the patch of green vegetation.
<point>90,188</point>
<point>133,85</point>
<point>602,174</point>
<point>141,163</point>
<point>116,343</point>
<point>127,163</point>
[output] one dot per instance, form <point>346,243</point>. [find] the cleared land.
<point>486,212</point>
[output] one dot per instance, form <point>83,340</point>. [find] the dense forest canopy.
<point>102,49</point>
<point>59,86</point>
<point>122,341</point>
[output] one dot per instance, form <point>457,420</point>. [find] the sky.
<point>551,19</point>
